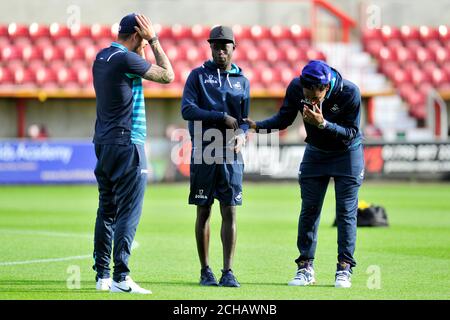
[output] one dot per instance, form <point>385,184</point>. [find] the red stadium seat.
<point>238,55</point>
<point>44,76</point>
<point>286,75</point>
<point>192,53</point>
<point>88,42</point>
<point>63,42</point>
<point>253,76</point>
<point>42,42</point>
<point>164,32</point>
<point>51,54</point>
<point>180,32</point>
<point>84,77</point>
<point>293,54</point>
<point>200,32</point>
<point>388,33</point>
<point>388,68</point>
<point>419,77</point>
<point>254,54</point>
<point>424,89</point>
<point>428,67</point>
<point>4,41</point>
<point>6,76</point>
<point>80,31</point>
<point>275,55</point>
<point>58,31</point>
<point>30,53</point>
<point>269,76</point>
<point>114,30</point>
<point>38,31</point>
<point>245,44</point>
<point>73,53</point>
<point>284,43</point>
<point>4,30</point>
<point>423,55</point>
<point>100,31</point>
<point>77,64</point>
<point>278,32</point>
<point>446,68</point>
<point>441,55</point>
<point>24,77</point>
<point>373,47</point>
<point>187,43</point>
<point>413,44</point>
<point>300,33</point>
<point>404,54</point>
<point>103,43</point>
<point>428,33</point>
<point>372,34</point>
<point>10,53</point>
<point>439,77</point>
<point>259,32</point>
<point>20,42</point>
<point>406,89</point>
<point>36,64</point>
<point>410,66</point>
<point>89,53</point>
<point>400,76</point>
<point>175,54</point>
<point>432,46</point>
<point>18,30</point>
<point>179,69</point>
<point>313,54</point>
<point>408,33</point>
<point>444,34</point>
<point>241,32</point>
<point>66,78</point>
<point>393,44</point>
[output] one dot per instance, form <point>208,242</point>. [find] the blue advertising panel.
<point>57,161</point>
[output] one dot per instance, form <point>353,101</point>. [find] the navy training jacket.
<point>209,93</point>
<point>341,109</point>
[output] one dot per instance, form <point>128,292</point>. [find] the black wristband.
<point>153,40</point>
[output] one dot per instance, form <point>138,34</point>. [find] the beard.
<point>137,49</point>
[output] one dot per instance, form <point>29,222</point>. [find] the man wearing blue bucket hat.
<point>330,106</point>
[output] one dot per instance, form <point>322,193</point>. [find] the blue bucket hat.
<point>128,23</point>
<point>316,72</point>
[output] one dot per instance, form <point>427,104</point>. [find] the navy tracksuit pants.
<point>316,169</point>
<point>121,173</point>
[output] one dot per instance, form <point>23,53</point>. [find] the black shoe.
<point>207,277</point>
<point>228,279</point>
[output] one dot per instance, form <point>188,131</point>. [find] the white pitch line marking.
<point>13,263</point>
<point>134,245</point>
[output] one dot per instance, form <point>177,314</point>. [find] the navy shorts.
<point>220,181</point>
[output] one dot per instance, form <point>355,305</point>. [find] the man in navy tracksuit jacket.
<point>330,106</point>
<point>215,102</point>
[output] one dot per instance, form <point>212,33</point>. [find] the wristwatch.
<point>322,125</point>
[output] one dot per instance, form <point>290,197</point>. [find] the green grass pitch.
<point>46,232</point>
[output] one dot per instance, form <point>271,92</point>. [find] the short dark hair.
<point>124,36</point>
<point>312,86</point>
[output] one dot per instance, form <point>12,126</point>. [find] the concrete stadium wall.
<point>210,12</point>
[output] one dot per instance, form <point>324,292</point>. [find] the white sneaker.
<point>343,279</point>
<point>103,284</point>
<point>128,286</point>
<point>303,277</point>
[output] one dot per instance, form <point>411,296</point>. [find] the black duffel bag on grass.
<point>370,216</point>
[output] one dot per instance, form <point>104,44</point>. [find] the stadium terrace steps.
<point>414,59</point>
<point>53,56</point>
